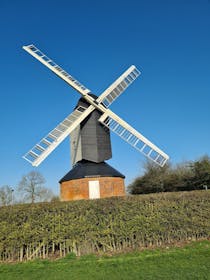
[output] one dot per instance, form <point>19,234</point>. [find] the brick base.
<point>79,188</point>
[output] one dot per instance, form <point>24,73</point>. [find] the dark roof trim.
<point>88,169</point>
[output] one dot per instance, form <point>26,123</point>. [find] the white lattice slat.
<point>119,86</point>
<point>42,149</point>
<point>133,137</point>
<point>35,52</point>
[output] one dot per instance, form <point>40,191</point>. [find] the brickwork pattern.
<point>79,188</point>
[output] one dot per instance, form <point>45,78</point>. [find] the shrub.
<point>57,229</point>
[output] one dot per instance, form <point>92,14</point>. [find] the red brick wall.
<point>79,188</point>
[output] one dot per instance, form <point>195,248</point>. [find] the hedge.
<point>48,230</point>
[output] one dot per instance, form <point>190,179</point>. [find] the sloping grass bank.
<point>190,262</point>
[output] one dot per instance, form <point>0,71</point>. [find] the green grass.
<point>189,262</point>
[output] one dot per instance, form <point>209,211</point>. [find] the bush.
<point>184,177</point>
<point>46,230</point>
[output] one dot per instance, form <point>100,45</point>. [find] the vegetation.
<point>32,188</point>
<point>191,262</point>
<point>6,195</point>
<point>184,177</point>
<point>46,230</point>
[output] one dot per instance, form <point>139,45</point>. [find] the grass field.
<point>189,262</point>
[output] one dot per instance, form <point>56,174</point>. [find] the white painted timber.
<point>119,86</point>
<point>42,149</point>
<point>133,137</point>
<point>39,55</point>
<point>94,189</point>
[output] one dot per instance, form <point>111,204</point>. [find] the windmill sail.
<point>133,137</point>
<point>42,149</point>
<point>118,87</point>
<point>35,52</point>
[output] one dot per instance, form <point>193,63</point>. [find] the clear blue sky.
<point>95,41</point>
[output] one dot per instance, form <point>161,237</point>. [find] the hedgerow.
<point>115,224</point>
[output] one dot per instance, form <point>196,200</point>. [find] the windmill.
<point>89,127</point>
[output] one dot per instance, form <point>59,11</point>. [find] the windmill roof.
<point>84,169</point>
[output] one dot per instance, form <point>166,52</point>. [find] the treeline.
<point>187,176</point>
<point>48,230</point>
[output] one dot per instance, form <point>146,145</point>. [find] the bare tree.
<point>32,188</point>
<point>6,195</point>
